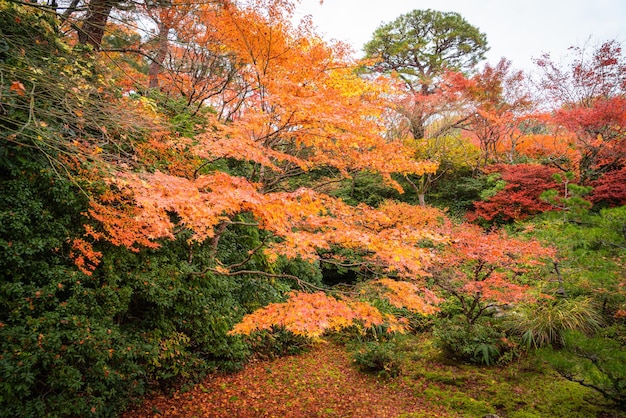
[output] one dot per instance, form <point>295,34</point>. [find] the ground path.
<point>320,383</point>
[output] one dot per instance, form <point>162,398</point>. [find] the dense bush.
<point>80,344</point>
<point>77,344</point>
<point>59,340</point>
<point>610,189</point>
<point>590,254</point>
<point>276,343</point>
<point>377,357</point>
<point>479,343</point>
<point>515,193</point>
<point>458,192</point>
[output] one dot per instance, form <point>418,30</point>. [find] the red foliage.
<point>483,269</point>
<point>599,130</point>
<point>589,98</point>
<point>610,188</point>
<point>520,197</point>
<point>500,102</point>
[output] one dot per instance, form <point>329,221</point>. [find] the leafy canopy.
<point>421,45</point>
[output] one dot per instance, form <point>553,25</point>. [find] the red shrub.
<point>520,197</point>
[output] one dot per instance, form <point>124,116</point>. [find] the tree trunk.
<point>157,63</point>
<point>92,30</point>
<point>417,129</point>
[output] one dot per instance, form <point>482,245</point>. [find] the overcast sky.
<point>516,29</point>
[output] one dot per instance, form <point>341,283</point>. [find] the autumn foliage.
<point>519,197</point>
<point>168,196</point>
<point>479,268</point>
<point>312,314</point>
<point>610,188</point>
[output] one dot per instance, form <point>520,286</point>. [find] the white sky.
<point>516,29</point>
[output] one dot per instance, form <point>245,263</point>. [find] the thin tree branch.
<point>302,283</point>
<point>249,257</point>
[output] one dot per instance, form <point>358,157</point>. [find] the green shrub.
<point>276,343</point>
<point>72,344</point>
<point>479,343</point>
<point>62,351</point>
<point>380,358</point>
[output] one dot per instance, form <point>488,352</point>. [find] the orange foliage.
<point>291,103</point>
<point>294,104</point>
<point>480,268</point>
<point>84,256</point>
<point>552,146</point>
<point>490,250</point>
<point>500,103</point>
<point>305,221</point>
<point>312,314</point>
<point>406,295</point>
<point>295,99</point>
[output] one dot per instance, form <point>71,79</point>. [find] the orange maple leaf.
<point>18,88</point>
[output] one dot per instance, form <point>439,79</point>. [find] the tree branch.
<point>249,257</point>
<point>131,50</point>
<point>302,283</point>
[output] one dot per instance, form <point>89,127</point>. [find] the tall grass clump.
<point>545,323</point>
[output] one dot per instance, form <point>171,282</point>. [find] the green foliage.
<point>458,192</point>
<point>276,343</point>
<point>377,357</point>
<point>368,188</point>
<point>59,341</point>
<point>185,120</point>
<point>29,35</point>
<point>570,198</point>
<point>187,314</point>
<point>479,343</point>
<point>495,183</point>
<point>424,43</point>
<point>597,363</point>
<point>590,254</point>
<point>91,343</point>
<point>72,344</point>
<point>546,323</point>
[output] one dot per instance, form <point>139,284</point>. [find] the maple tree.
<point>500,103</point>
<point>610,188</point>
<point>165,193</point>
<point>555,147</point>
<point>259,119</point>
<point>296,105</point>
<point>517,196</point>
<point>588,94</point>
<point>482,270</point>
<point>312,314</point>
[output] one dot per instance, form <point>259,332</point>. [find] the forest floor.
<point>324,382</point>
